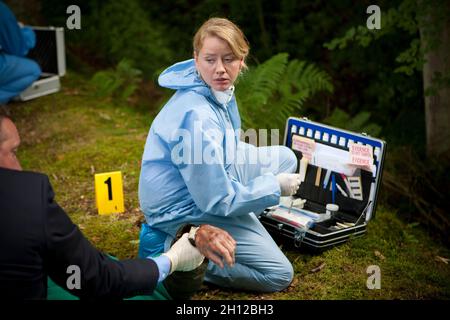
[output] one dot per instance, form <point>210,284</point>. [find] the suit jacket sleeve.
<point>101,276</point>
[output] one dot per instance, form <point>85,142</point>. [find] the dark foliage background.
<point>154,34</point>
<point>151,35</point>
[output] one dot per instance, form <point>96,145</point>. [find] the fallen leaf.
<point>441,259</point>
<point>104,116</point>
<point>379,255</point>
<point>348,268</point>
<point>317,269</point>
<point>74,92</point>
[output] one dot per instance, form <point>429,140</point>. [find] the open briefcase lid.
<point>49,51</point>
<point>342,143</point>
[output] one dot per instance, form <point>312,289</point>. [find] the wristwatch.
<point>192,234</point>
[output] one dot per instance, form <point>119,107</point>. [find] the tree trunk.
<point>264,36</point>
<point>437,106</point>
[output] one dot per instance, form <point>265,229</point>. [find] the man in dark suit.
<point>38,239</point>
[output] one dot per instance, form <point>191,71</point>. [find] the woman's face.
<point>217,64</point>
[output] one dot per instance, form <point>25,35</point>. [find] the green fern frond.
<point>339,118</point>
<point>359,120</point>
<point>276,89</point>
<point>262,81</point>
<point>358,123</point>
<point>310,78</point>
<point>122,81</point>
<point>105,83</point>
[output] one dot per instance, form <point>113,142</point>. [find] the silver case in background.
<point>50,48</point>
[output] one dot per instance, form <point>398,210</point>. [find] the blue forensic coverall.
<point>16,72</point>
<point>218,182</point>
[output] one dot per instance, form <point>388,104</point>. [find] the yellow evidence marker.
<point>109,192</point>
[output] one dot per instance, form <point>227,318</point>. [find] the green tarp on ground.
<point>56,292</point>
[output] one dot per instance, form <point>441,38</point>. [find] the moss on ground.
<point>72,135</point>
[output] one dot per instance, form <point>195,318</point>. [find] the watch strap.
<point>192,233</point>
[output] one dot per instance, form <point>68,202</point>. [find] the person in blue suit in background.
<point>16,71</point>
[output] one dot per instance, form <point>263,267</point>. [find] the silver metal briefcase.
<point>49,53</point>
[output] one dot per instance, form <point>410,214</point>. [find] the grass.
<point>72,135</point>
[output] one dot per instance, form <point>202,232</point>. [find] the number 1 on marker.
<point>108,182</point>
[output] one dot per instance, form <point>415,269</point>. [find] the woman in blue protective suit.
<point>195,170</point>
<point>16,72</point>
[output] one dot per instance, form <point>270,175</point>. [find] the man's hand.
<point>215,244</point>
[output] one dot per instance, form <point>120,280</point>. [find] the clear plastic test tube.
<point>302,131</point>
<point>350,142</point>
<point>333,139</point>
<point>293,128</point>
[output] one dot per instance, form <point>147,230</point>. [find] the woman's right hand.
<point>215,244</point>
<point>289,183</point>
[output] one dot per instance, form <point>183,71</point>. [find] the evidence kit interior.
<point>341,176</point>
<point>49,53</point>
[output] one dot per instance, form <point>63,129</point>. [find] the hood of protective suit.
<point>183,75</point>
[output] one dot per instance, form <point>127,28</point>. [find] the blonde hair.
<point>225,30</point>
